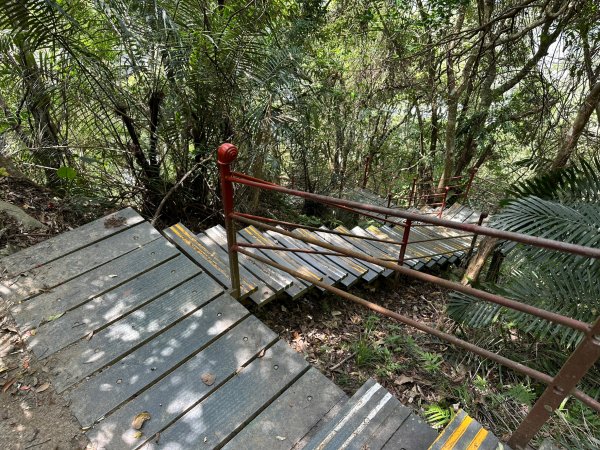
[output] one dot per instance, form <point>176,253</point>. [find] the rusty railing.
<point>563,384</point>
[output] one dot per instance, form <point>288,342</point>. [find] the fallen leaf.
<point>336,313</point>
<point>8,384</point>
<point>89,335</point>
<point>42,388</point>
<point>139,420</point>
<point>281,438</point>
<point>261,353</point>
<point>403,380</point>
<point>208,378</point>
<point>137,434</point>
<point>32,332</point>
<point>54,317</point>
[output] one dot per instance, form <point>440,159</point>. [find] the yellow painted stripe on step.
<point>478,439</point>
<point>454,437</point>
<point>303,270</point>
<point>210,257</point>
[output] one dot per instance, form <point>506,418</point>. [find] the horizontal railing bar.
<point>290,249</point>
<point>362,213</point>
<point>443,238</point>
<point>518,367</point>
<point>477,229</point>
<point>429,255</point>
<point>487,296</point>
<point>323,230</point>
<point>321,252</point>
<point>535,374</point>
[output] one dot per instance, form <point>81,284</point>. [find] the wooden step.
<point>465,433</point>
<point>371,419</point>
<point>264,293</point>
<point>267,274</point>
<point>319,262</point>
<point>362,245</point>
<point>373,270</point>
<point>206,258</point>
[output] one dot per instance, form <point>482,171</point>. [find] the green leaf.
<point>66,173</point>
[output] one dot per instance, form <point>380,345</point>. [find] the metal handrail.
<point>558,387</point>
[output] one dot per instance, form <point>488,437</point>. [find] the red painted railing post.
<point>405,238</point>
<point>444,198</point>
<point>226,155</point>
<point>472,173</point>
<point>412,192</point>
<point>564,383</point>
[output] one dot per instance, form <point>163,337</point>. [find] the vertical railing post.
<point>482,217</point>
<point>472,173</point>
<point>389,202</point>
<point>226,155</point>
<point>581,360</point>
<point>405,238</point>
<point>412,192</point>
<point>444,198</point>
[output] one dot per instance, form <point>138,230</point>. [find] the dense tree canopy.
<point>122,99</point>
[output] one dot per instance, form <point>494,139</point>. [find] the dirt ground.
<point>32,415</point>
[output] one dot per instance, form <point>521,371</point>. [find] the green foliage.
<point>438,416</point>
<point>522,394</point>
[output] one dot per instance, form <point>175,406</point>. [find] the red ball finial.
<point>226,153</point>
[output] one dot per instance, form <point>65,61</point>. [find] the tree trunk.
<point>583,116</point>
<point>486,247</point>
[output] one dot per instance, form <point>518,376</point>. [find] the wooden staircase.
<point>126,324</point>
<point>262,283</point>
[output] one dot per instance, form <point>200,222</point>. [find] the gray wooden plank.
<point>355,272</point>
<point>413,434</point>
<point>94,398</point>
<point>212,422</point>
<point>205,258</point>
<point>298,286</point>
<point>69,241</point>
<point>349,426</point>
<point>290,416</point>
<point>413,256</point>
<point>389,249</point>
<point>83,358</point>
<point>419,233</point>
<point>264,293</point>
<point>421,250</point>
<point>267,274</point>
<point>105,309</point>
<point>83,288</point>
<point>362,434</point>
<point>298,262</point>
<point>72,265</point>
<point>328,417</point>
<point>361,396</point>
<point>252,235</point>
<point>183,388</point>
<point>373,270</point>
<point>361,245</point>
<point>376,437</point>
<point>317,261</point>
